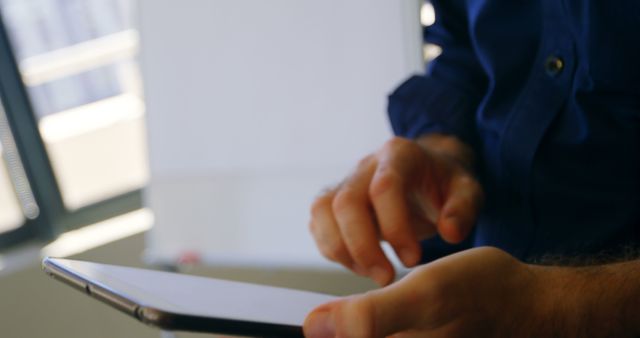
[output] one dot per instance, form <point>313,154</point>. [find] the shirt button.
<point>553,65</point>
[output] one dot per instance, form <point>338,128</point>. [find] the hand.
<point>403,193</point>
<point>481,292</point>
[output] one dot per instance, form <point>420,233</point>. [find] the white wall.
<point>254,106</point>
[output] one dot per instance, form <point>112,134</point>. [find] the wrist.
<point>584,302</point>
<point>532,307</point>
<point>556,309</point>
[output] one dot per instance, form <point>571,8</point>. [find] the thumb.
<point>393,309</point>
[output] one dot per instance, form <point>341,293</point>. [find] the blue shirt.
<point>547,92</point>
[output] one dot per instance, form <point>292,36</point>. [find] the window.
<point>11,215</point>
<point>73,100</point>
<point>18,208</point>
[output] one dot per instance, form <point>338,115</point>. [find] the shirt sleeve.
<point>445,99</point>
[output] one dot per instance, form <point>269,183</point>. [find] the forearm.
<point>595,301</point>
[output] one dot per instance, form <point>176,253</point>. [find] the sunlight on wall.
<point>98,234</point>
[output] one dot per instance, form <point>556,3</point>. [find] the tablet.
<point>179,302</point>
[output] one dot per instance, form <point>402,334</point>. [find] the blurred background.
<point>189,135</point>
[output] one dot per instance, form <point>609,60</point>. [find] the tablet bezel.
<point>162,318</point>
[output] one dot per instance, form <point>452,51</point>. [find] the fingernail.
<point>319,325</point>
<point>379,275</point>
<point>453,230</point>
<point>409,257</point>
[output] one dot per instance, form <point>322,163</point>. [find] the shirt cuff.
<point>424,104</point>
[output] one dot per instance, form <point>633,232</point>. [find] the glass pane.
<point>77,59</point>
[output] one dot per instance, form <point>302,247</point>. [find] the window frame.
<point>53,218</point>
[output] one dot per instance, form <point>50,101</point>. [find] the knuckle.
<point>361,307</point>
<point>365,162</point>
<point>334,251</point>
<point>383,181</point>
<point>320,205</point>
<point>396,143</point>
<point>394,234</point>
<point>400,150</point>
<point>403,147</point>
<point>361,253</point>
<point>346,198</point>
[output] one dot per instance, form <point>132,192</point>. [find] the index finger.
<point>353,212</point>
<point>389,195</point>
